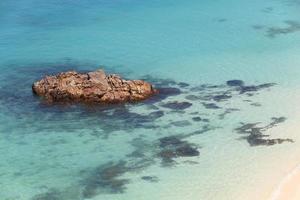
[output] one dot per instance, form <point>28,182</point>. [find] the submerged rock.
<point>92,87</point>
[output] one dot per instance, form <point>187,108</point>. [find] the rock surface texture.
<point>92,87</point>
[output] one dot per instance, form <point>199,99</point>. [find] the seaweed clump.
<point>106,179</point>
<point>256,137</point>
<point>172,147</point>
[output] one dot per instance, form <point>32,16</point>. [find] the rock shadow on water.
<point>19,101</point>
<point>159,82</point>
<point>166,88</point>
<point>165,82</point>
<point>123,119</point>
<point>18,98</point>
<point>164,93</point>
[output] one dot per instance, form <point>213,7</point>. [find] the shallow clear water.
<point>77,152</point>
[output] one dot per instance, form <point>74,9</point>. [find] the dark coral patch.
<point>197,119</point>
<point>255,136</point>
<point>245,89</point>
<point>222,20</point>
<point>105,179</point>
<point>183,85</point>
<point>121,118</point>
<point>211,106</point>
<point>204,87</point>
<point>255,88</point>
<point>152,179</point>
<point>256,104</point>
<point>170,141</point>
<point>268,9</point>
<point>156,114</point>
<point>192,97</point>
<point>175,105</point>
<point>50,195</point>
<point>257,27</point>
<point>291,27</point>
<point>235,83</point>
<point>227,111</point>
<point>256,140</point>
<point>221,97</point>
<point>187,151</point>
<point>181,123</point>
<point>194,113</point>
<point>173,147</point>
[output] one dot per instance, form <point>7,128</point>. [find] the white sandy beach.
<point>289,186</point>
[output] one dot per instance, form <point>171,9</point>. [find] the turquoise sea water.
<point>189,48</point>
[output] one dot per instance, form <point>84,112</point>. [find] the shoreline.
<point>289,187</point>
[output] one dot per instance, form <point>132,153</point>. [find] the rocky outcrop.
<point>92,87</point>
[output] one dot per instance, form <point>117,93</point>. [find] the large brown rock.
<point>92,87</point>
